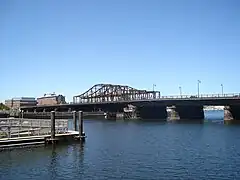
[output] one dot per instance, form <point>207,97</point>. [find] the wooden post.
<point>74,121</point>
<point>39,132</point>
<point>19,126</point>
<point>9,132</point>
<point>9,128</point>
<point>80,117</point>
<point>52,125</point>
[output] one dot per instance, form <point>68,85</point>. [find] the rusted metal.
<point>114,93</point>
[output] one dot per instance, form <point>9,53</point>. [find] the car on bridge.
<point>193,96</point>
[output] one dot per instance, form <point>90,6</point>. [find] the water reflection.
<point>53,163</point>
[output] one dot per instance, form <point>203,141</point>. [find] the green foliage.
<point>3,107</point>
<point>3,134</point>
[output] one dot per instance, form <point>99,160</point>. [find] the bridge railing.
<point>201,96</point>
<point>229,95</point>
<point>175,97</point>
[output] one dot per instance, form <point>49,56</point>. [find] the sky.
<point>68,46</point>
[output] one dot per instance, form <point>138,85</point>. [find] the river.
<point>134,151</point>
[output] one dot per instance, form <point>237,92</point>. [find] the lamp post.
<point>222,89</point>
<point>180,89</point>
<point>198,86</point>
<point>153,93</point>
<point>154,85</point>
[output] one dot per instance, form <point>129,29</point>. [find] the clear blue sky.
<point>68,46</point>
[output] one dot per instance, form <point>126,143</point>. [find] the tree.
<point>3,107</point>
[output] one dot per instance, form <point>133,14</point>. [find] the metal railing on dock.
<point>15,132</point>
<point>58,115</point>
<point>21,127</point>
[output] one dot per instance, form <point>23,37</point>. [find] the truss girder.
<point>110,92</point>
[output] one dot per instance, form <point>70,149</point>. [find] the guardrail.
<point>187,97</point>
<point>232,95</point>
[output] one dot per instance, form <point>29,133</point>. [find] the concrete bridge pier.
<point>152,112</point>
<point>232,114</point>
<point>189,113</point>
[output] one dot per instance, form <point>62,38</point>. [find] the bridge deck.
<point>203,99</point>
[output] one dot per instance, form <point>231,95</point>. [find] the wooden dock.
<point>6,143</point>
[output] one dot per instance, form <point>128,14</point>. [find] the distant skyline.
<point>68,46</point>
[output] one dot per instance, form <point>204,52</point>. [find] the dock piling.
<point>19,127</point>
<point>52,125</point>
<point>74,121</point>
<point>80,123</point>
<point>39,132</point>
<point>9,128</point>
<point>81,134</point>
<point>9,132</point>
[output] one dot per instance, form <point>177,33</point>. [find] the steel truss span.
<point>114,93</point>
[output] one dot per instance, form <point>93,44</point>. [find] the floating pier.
<point>18,132</point>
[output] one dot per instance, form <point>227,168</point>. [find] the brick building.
<point>16,103</point>
<point>51,99</point>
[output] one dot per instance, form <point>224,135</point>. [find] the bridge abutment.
<point>232,114</point>
<point>187,113</point>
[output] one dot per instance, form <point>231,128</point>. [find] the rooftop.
<point>49,96</point>
<point>22,99</point>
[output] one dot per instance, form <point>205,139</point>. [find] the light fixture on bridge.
<point>222,89</point>
<point>154,85</point>
<point>198,86</point>
<point>180,89</point>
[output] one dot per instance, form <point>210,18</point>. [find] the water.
<point>134,150</point>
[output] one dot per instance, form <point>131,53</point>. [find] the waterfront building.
<point>51,99</point>
<point>16,103</point>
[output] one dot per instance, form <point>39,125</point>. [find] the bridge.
<point>145,104</point>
